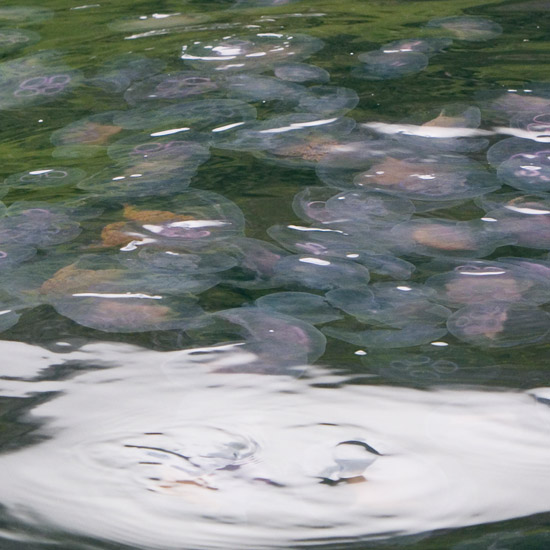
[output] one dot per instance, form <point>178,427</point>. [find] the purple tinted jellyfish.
<point>328,100</point>
<point>499,324</point>
<point>386,65</point>
<point>264,88</point>
<point>12,255</point>
<point>465,27</point>
<point>45,177</point>
<point>528,170</point>
<point>301,72</point>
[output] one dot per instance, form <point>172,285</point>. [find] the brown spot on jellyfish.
<point>71,279</point>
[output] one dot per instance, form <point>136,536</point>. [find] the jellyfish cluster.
<point>395,238</point>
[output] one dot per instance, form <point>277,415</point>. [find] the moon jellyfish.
<point>438,237</point>
<point>356,208</point>
<point>301,72</point>
<point>429,177</point>
<point>12,40</point>
<point>14,254</point>
<point>499,324</point>
<point>275,338</point>
<point>466,27</point>
<point>481,281</point>
<point>86,137</point>
<point>170,87</point>
<point>256,261</point>
<point>45,177</point>
<point>27,14</point>
<point>506,104</point>
<point>428,46</point>
<point>528,170</point>
<point>319,273</point>
<point>296,140</point>
<point>386,65</point>
<point>128,312</point>
<point>253,53</point>
<point>302,305</point>
<point>118,73</point>
<point>162,22</point>
<point>390,304</point>
<point>250,87</point>
<point>34,80</point>
<point>328,100</point>
<point>410,335</point>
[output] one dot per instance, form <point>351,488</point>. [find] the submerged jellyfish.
<point>171,87</point>
<point>250,87</point>
<point>28,14</point>
<point>467,27</point>
<point>301,72</point>
<point>85,137</point>
<point>302,305</point>
<point>528,170</point>
<point>508,104</point>
<point>160,22</point>
<point>252,53</point>
<point>12,40</point>
<point>428,46</point>
<point>385,65</point>
<point>499,324</point>
<point>14,254</point>
<point>328,100</point>
<point>45,177</point>
<point>481,281</point>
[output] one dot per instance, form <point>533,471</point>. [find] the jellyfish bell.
<point>328,100</point>
<point>24,14</point>
<point>467,27</point>
<point>258,88</point>
<point>165,22</point>
<point>499,324</point>
<point>251,53</point>
<point>42,177</point>
<point>429,46</point>
<point>387,65</point>
<point>300,73</point>
<point>12,40</point>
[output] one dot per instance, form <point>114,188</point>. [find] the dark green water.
<point>459,414</point>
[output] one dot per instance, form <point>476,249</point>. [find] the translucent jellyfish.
<point>395,304</point>
<point>252,53</point>
<point>302,305</point>
<point>438,237</point>
<point>466,27</point>
<point>170,87</point>
<point>86,137</point>
<point>162,22</point>
<point>499,324</point>
<point>506,104</point>
<point>45,177</point>
<point>297,140</point>
<point>210,116</point>
<point>301,72</point>
<point>386,65</point>
<point>33,80</point>
<point>197,218</point>
<point>328,100</point>
<point>428,177</point>
<point>118,73</point>
<point>27,14</point>
<point>480,281</point>
<point>277,339</point>
<point>256,262</point>
<point>319,273</point>
<point>528,170</point>
<point>14,254</point>
<point>250,87</point>
<point>411,335</point>
<point>356,208</point>
<point>128,312</point>
<point>422,45</point>
<point>12,40</point>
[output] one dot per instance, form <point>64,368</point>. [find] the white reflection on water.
<point>162,451</point>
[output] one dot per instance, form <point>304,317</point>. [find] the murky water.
<point>274,274</point>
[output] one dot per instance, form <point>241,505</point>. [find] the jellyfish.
<point>250,87</point>
<point>300,73</point>
<point>86,137</point>
<point>528,170</point>
<point>499,324</point>
<point>508,104</point>
<point>251,53</point>
<point>159,22</point>
<point>12,40</point>
<point>26,14</point>
<point>428,46</point>
<point>328,100</point>
<point>45,177</point>
<point>467,27</point>
<point>301,305</point>
<point>386,65</point>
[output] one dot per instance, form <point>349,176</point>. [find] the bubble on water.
<point>45,177</point>
<point>411,335</point>
<point>12,40</point>
<point>386,65</point>
<point>467,27</point>
<point>86,137</point>
<point>118,73</point>
<point>170,87</point>
<point>319,273</point>
<point>499,324</point>
<point>301,72</point>
<point>35,79</point>
<point>253,53</point>
<point>302,305</point>
<point>328,100</point>
<point>480,281</point>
